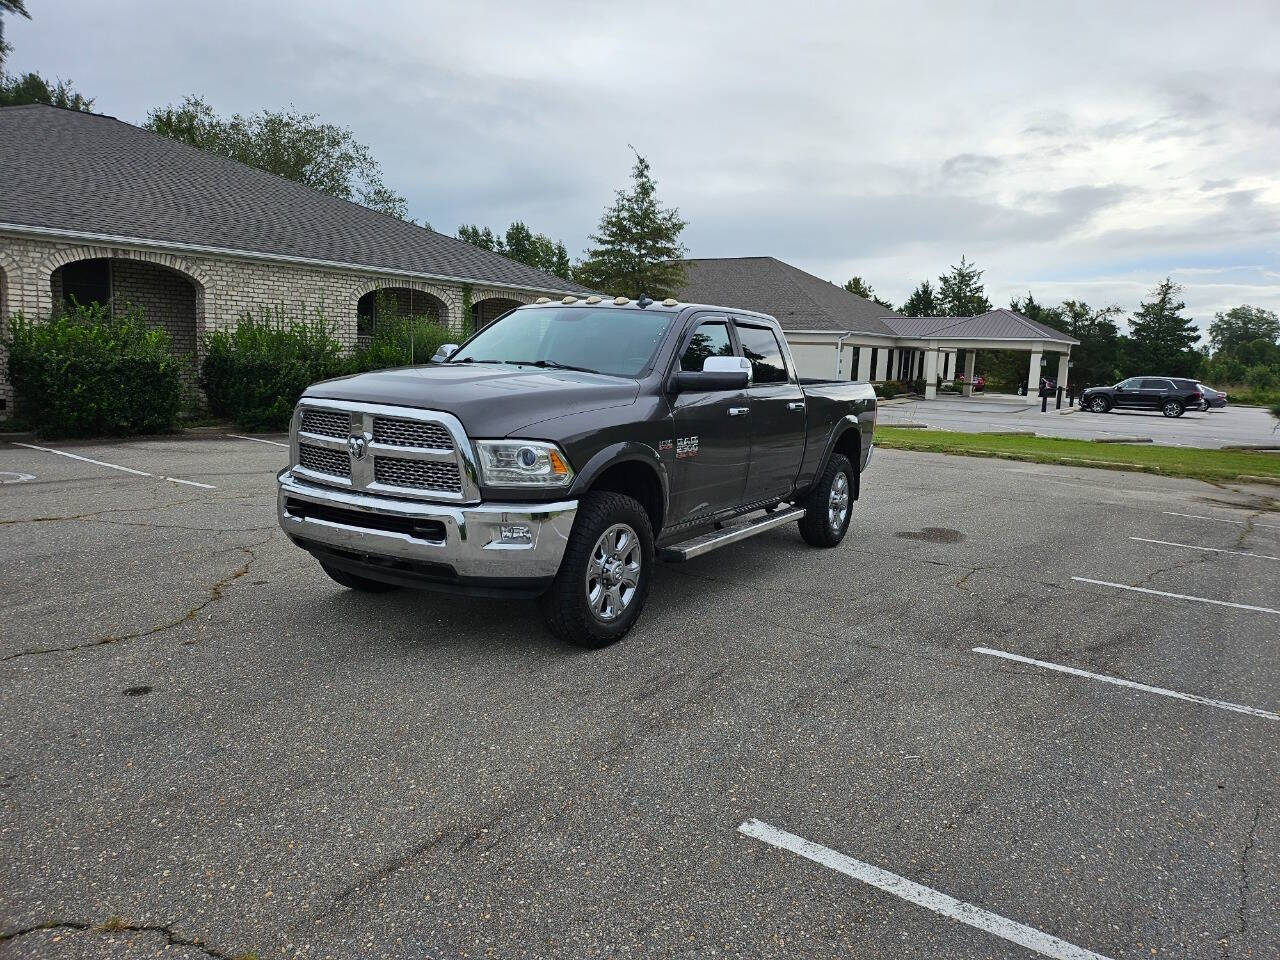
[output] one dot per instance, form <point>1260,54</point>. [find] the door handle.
<point>739,411</point>
<point>796,405</point>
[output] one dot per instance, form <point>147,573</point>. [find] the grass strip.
<point>1192,462</point>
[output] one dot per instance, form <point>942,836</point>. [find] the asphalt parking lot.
<point>982,413</point>
<point>210,749</point>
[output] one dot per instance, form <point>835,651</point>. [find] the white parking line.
<point>1196,516</point>
<point>1188,546</point>
<point>74,456</point>
<point>113,466</point>
<point>192,483</point>
<point>912,892</point>
<point>274,443</point>
<point>1120,682</point>
<point>1176,596</point>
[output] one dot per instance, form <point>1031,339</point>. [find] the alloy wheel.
<point>613,572</point>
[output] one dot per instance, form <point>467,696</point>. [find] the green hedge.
<point>255,372</point>
<point>85,372</point>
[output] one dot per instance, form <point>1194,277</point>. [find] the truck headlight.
<point>522,463</point>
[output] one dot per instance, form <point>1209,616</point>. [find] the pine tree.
<point>960,292</point>
<point>922,302</point>
<point>858,286</point>
<point>1029,308</point>
<point>636,249</point>
<point>1161,339</point>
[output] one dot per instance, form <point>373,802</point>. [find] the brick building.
<point>98,209</point>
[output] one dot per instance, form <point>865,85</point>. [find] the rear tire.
<point>1173,408</point>
<point>354,581</point>
<point>603,580</point>
<point>829,505</point>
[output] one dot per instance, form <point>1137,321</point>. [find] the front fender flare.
<point>628,451</point>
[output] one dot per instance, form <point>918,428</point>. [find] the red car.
<point>979,382</point>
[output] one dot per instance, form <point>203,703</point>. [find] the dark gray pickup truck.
<point>564,448</point>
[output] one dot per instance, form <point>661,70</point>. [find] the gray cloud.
<point>783,133</point>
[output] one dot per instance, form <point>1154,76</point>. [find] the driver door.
<point>1128,394</point>
<point>712,432</point>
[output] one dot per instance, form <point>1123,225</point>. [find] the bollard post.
<point>1059,406</point>
<point>1044,401</point>
<point>1071,395</point>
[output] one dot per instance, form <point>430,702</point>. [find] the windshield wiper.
<point>549,365</point>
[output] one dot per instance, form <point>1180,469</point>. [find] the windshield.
<point>613,341</point>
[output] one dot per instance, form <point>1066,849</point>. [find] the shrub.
<point>87,372</point>
<point>255,372</point>
<point>1261,378</point>
<point>887,390</point>
<point>400,341</point>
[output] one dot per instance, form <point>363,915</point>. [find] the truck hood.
<point>490,400</point>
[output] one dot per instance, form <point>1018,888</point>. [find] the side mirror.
<point>446,351</point>
<point>718,373</point>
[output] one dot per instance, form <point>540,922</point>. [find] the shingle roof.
<point>799,300</point>
<point>88,173</point>
<point>1001,324</point>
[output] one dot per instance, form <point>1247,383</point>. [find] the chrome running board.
<point>720,538</point>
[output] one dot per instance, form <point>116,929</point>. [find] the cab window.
<point>711,339</point>
<point>1131,384</point>
<point>1155,384</point>
<point>760,346</point>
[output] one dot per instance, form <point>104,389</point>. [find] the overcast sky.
<point>1072,149</point>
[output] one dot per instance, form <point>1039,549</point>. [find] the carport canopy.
<point>1001,329</point>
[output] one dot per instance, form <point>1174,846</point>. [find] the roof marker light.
<point>620,300</point>
<point>591,300</point>
<point>670,302</point>
<point>569,298</point>
<point>543,300</point>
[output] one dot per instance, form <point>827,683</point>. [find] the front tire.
<point>603,580</point>
<point>1099,405</point>
<point>356,582</point>
<point>1173,408</point>
<point>829,504</point>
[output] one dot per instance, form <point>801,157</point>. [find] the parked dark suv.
<point>1172,396</point>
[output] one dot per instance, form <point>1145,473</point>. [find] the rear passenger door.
<point>1153,393</point>
<point>777,414</point>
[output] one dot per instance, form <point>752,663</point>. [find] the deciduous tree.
<point>857,285</point>
<point>1243,324</point>
<point>289,143</point>
<point>520,243</point>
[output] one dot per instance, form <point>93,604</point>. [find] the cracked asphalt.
<point>211,750</point>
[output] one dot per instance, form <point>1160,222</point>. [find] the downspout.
<point>839,349</point>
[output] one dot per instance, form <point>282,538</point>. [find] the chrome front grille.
<point>410,433</point>
<point>417,474</point>
<point>330,423</point>
<point>323,460</point>
<point>383,449</point>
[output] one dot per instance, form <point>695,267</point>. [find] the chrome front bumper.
<point>486,542</point>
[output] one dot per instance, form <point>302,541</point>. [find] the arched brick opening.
<point>383,303</point>
<point>484,312</point>
<point>167,297</point>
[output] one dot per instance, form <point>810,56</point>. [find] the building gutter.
<point>196,248</point>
